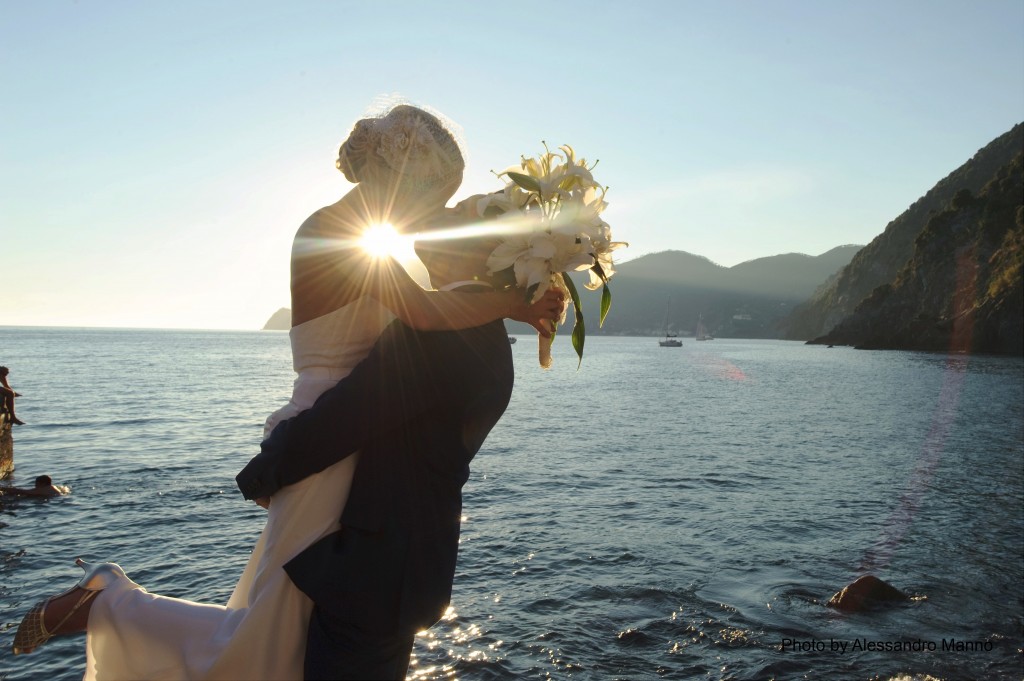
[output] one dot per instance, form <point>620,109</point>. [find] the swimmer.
<point>44,488</point>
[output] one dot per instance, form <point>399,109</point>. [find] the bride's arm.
<point>329,272</point>
<point>388,282</point>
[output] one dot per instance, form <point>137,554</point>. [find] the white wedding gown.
<point>261,632</point>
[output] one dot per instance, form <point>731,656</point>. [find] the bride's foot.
<point>67,613</point>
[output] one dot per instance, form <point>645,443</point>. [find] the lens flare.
<point>384,241</point>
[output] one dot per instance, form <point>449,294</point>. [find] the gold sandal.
<point>32,631</point>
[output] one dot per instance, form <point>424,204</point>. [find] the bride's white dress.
<point>261,632</point>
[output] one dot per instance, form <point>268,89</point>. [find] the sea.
<point>650,513</point>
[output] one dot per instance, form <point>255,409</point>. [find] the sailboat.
<point>702,331</point>
<point>670,338</point>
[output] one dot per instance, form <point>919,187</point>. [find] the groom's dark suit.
<point>418,409</point>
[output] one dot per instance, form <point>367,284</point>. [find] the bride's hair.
<point>405,141</point>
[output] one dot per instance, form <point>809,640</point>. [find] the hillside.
<point>279,321</point>
<point>881,261</point>
<point>747,300</point>
<point>961,290</point>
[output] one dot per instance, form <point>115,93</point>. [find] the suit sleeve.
<point>395,384</point>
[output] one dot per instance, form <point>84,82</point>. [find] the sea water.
<point>671,513</point>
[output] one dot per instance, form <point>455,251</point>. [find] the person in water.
<point>44,488</point>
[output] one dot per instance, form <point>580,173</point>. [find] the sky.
<point>157,157</point>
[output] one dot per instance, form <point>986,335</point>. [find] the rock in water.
<point>865,592</point>
<point>6,444</point>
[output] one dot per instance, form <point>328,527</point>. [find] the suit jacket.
<point>418,408</point>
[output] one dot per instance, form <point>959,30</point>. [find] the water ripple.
<point>663,538</point>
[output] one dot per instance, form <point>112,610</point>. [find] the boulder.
<point>866,592</point>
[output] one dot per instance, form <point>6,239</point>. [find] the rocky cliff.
<point>961,289</point>
<point>880,262</point>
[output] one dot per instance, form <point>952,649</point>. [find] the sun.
<point>383,241</point>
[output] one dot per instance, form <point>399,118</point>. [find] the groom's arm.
<point>277,466</point>
<point>400,379</point>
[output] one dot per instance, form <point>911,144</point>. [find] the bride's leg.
<point>68,612</point>
<point>271,637</point>
<point>302,513</point>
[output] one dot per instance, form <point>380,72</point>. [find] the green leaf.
<point>579,329</point>
<point>599,271</point>
<point>606,303</point>
<point>579,334</point>
<point>525,181</point>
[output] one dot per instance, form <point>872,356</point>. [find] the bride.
<point>406,165</point>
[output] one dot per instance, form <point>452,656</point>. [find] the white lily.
<point>603,256</point>
<point>575,175</point>
<point>554,215</point>
<point>573,252</point>
<point>534,272</point>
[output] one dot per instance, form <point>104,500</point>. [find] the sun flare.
<point>383,241</point>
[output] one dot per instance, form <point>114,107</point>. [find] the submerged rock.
<point>866,592</point>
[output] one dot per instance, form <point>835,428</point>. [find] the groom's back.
<point>458,384</point>
<point>408,483</point>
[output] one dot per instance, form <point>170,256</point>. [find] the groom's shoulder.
<point>480,343</point>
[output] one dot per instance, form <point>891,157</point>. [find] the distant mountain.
<point>675,287</point>
<point>279,321</point>
<point>880,262</point>
<point>961,290</point>
<point>793,275</point>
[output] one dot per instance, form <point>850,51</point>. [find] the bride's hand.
<point>550,307</point>
<point>263,502</point>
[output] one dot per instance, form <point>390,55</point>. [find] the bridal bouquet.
<point>552,208</point>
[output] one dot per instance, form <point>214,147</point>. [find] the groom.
<point>418,408</point>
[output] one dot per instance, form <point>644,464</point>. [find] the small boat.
<point>702,331</point>
<point>670,340</point>
<point>512,340</point>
